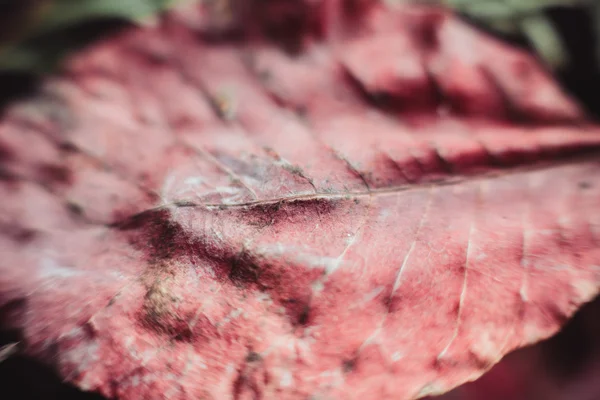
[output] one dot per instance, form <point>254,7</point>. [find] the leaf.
<point>548,44</point>
<point>378,205</point>
<point>527,18</point>
<point>64,13</point>
<point>46,33</point>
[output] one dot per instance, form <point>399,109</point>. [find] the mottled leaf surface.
<point>297,200</point>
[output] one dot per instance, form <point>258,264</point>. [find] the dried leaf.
<point>375,203</point>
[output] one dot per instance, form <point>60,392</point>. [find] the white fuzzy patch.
<point>49,268</point>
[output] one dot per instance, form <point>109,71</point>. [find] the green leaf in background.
<point>64,13</point>
<point>527,18</point>
<point>44,35</point>
<point>544,38</point>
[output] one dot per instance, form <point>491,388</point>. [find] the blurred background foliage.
<point>565,34</point>
<point>36,34</point>
<point>531,20</point>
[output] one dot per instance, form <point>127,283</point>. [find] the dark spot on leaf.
<point>303,317</point>
<point>54,174</point>
<point>68,147</point>
<point>24,235</point>
<point>428,31</point>
<point>90,329</point>
<point>286,23</point>
<point>18,233</point>
<point>353,12</point>
<point>244,270</point>
<point>387,303</point>
<point>154,232</point>
<point>265,75</point>
<point>153,55</point>
<point>253,357</point>
<point>161,312</point>
<point>301,111</point>
<point>348,365</point>
<point>184,334</point>
<point>246,384</point>
<point>7,176</point>
<point>298,311</point>
<point>6,154</point>
<point>479,362</point>
<point>75,209</point>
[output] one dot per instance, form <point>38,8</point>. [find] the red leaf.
<point>381,205</point>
